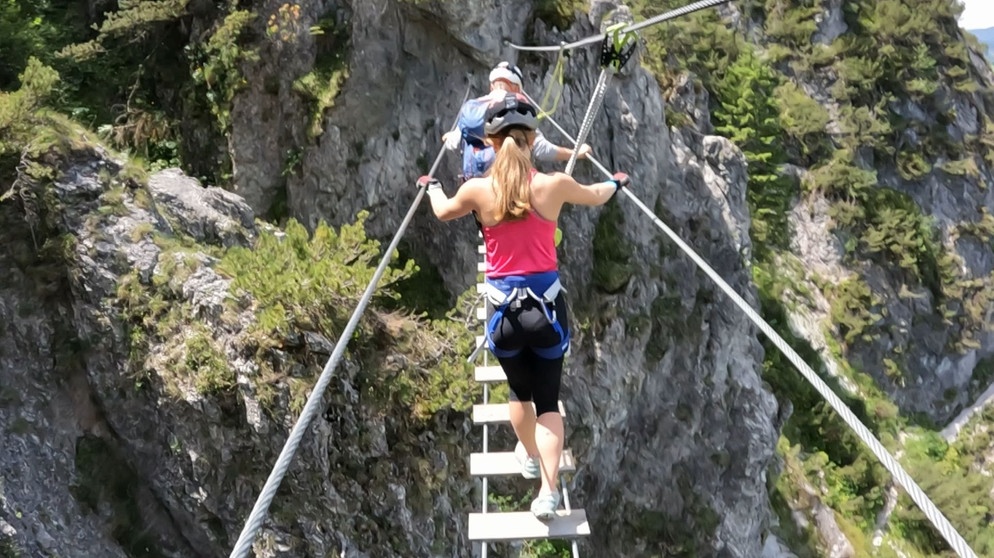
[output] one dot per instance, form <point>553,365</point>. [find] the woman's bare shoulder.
<point>548,177</point>
<point>475,183</point>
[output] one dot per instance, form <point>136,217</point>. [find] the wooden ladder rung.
<point>517,526</point>
<point>506,463</point>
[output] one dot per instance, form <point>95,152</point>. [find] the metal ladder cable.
<point>588,118</point>
<point>486,436</point>
<point>562,482</point>
<point>593,39</point>
<point>244,543</point>
<point>941,523</point>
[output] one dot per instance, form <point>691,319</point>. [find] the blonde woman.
<point>527,327</point>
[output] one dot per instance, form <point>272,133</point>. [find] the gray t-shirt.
<point>543,149</point>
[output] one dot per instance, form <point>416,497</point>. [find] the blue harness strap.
<point>505,292</point>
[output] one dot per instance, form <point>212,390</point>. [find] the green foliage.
<point>19,111</point>
<point>964,167</point>
<point>749,115</point>
<point>131,21</point>
<point>24,33</point>
<point>559,13</point>
<point>792,23</point>
<point>699,43</point>
<point>301,282</point>
<point>207,364</point>
<point>851,309</point>
<point>421,291</point>
<point>320,88</point>
<point>803,118</point>
<point>306,279</point>
<point>840,178</point>
<point>217,64</point>
<point>898,232</point>
<point>612,266</point>
<point>157,313</point>
<point>322,85</point>
<point>9,548</point>
<point>787,496</point>
<point>546,549</point>
<point>946,475</point>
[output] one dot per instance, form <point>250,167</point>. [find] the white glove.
<point>452,139</point>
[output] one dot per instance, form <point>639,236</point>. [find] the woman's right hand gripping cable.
<point>621,180</point>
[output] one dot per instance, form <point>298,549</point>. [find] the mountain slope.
<point>986,36</point>
<point>869,128</point>
<point>195,335</point>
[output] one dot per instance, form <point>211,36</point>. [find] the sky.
<point>978,14</point>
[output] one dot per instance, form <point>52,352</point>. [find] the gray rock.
<point>831,23</point>
<point>668,414</point>
<point>210,215</point>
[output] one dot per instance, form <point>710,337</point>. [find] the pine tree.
<point>749,115</point>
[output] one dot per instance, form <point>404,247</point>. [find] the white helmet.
<point>507,72</point>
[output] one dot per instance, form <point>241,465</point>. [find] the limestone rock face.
<point>106,452</point>
<point>670,421</point>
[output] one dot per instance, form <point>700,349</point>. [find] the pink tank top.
<point>521,247</point>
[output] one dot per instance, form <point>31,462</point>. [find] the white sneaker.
<point>530,467</point>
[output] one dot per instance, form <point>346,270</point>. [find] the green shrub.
<point>612,265</point>
<point>851,309</point>
<point>559,13</point>
<point>301,282</point>
<point>20,110</point>
<point>802,117</point>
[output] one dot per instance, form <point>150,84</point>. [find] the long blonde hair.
<point>511,172</point>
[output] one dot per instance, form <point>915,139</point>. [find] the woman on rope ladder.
<point>527,327</point>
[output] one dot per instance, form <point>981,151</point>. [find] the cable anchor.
<point>618,46</point>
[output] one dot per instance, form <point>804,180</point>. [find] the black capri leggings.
<point>530,377</point>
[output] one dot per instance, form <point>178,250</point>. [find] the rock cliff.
<point>146,401</point>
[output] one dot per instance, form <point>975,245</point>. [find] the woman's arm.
<point>545,150</point>
<point>446,208</point>
<point>570,191</point>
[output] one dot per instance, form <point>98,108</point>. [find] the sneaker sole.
<point>545,516</point>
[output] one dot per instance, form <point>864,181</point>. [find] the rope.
<point>593,39</point>
<point>955,540</point>
<point>555,90</point>
<point>588,118</point>
<point>244,544</point>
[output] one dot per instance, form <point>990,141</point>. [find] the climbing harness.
<point>941,523</point>
<point>244,543</point>
<point>509,292</point>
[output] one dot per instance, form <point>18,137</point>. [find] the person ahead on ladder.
<point>469,132</point>
<point>527,327</point>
